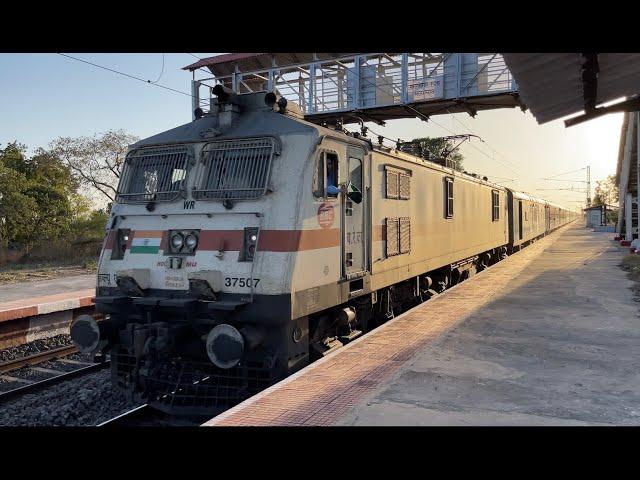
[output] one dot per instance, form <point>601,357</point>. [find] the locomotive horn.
<point>282,104</point>
<point>223,93</point>
<point>270,99</point>
<point>87,333</point>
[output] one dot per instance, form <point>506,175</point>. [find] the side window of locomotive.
<point>448,197</point>
<point>331,160</point>
<point>325,183</point>
<point>318,178</point>
<point>495,205</point>
<point>355,172</point>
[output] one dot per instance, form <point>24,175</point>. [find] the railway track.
<point>145,416</point>
<point>12,373</point>
<point>37,358</point>
<point>31,365</point>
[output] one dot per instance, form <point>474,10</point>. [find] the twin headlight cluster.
<point>183,241</point>
<point>186,242</point>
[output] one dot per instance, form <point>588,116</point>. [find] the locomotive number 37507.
<point>240,282</point>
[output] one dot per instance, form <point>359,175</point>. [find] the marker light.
<point>249,246</point>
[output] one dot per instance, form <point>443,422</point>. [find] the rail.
<point>145,416</point>
<point>32,360</point>
<point>37,358</point>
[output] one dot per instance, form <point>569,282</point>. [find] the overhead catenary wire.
<point>161,72</point>
<point>510,165</point>
<point>395,142</point>
<point>564,180</point>
<point>476,148</point>
<point>506,159</point>
<point>148,82</point>
<point>574,190</point>
<point>454,133</point>
<point>565,173</point>
<point>503,178</point>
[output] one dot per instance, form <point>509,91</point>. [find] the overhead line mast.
<point>588,185</point>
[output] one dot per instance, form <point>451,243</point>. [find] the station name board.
<point>421,89</point>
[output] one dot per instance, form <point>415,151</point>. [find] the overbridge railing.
<point>371,81</point>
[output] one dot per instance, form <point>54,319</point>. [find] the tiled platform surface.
<point>10,292</point>
<point>15,309</point>
<point>328,390</point>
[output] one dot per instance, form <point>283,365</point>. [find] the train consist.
<point>249,242</point>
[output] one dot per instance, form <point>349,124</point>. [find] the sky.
<point>46,96</point>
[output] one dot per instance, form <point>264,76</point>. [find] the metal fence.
<point>153,174</point>
<point>235,169</point>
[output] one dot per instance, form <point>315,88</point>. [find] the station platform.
<point>42,305</point>
<point>25,290</point>
<point>547,337</point>
<point>34,318</point>
<point>44,308</point>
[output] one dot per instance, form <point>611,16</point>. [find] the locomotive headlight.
<point>191,241</point>
<point>177,241</point>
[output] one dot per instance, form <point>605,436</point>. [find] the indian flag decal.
<point>146,241</point>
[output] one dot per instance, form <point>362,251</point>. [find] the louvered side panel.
<point>392,184</point>
<point>392,237</point>
<point>405,235</point>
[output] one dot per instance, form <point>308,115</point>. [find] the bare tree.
<point>96,161</point>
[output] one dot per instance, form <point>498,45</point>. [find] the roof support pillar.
<point>271,78</point>
<point>195,97</point>
<point>628,219</point>
<point>625,169</point>
<point>356,72</point>
<point>637,160</point>
<point>405,78</point>
<point>311,107</point>
<point>590,70</point>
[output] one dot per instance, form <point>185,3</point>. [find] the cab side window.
<point>331,160</point>
<point>448,197</point>
<point>495,205</point>
<point>325,184</point>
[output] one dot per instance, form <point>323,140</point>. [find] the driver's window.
<point>355,173</point>
<point>326,177</point>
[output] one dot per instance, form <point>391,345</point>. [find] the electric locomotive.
<point>247,243</point>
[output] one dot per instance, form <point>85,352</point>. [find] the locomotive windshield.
<point>235,169</point>
<point>153,174</point>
